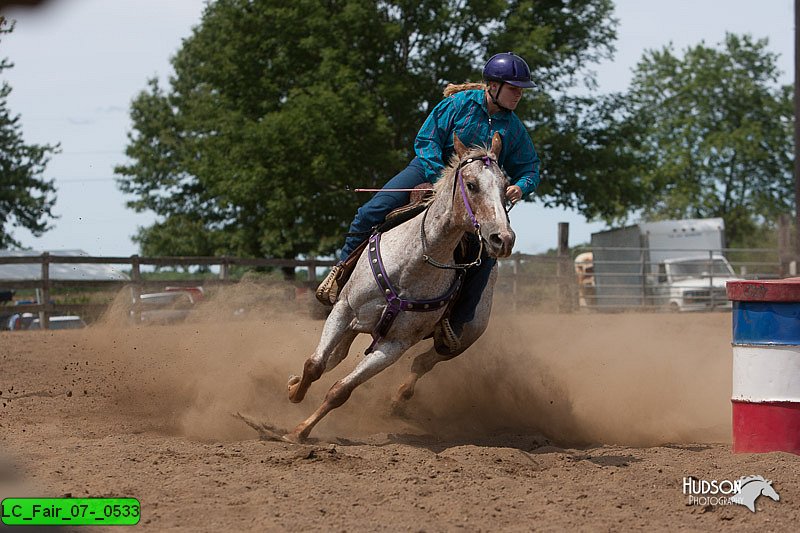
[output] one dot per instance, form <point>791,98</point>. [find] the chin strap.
<point>495,97</point>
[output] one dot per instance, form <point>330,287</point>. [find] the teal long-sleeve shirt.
<point>465,114</point>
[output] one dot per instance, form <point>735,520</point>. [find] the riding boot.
<point>328,290</point>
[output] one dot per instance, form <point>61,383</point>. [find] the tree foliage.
<point>276,108</point>
<point>26,198</point>
<point>715,134</point>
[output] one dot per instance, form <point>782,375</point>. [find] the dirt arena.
<point>583,422</point>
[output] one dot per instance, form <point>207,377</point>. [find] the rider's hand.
<point>513,194</point>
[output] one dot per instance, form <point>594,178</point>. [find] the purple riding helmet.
<point>508,68</point>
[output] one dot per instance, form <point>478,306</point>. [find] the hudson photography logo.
<point>743,491</point>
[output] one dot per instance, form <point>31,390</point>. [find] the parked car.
<point>22,321</point>
<point>171,305</point>
<point>19,321</point>
<point>60,322</point>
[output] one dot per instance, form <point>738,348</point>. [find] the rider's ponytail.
<point>453,88</point>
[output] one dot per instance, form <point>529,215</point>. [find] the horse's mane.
<point>748,479</point>
<point>445,183</point>
<point>453,88</point>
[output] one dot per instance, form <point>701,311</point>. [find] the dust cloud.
<point>577,379</point>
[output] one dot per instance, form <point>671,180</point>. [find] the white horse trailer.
<point>677,264</point>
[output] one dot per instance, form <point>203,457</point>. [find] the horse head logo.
<point>751,488</point>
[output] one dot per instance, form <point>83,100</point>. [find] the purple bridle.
<point>487,161</point>
<point>394,303</point>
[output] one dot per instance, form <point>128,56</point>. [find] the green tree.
<point>715,134</point>
<point>276,108</point>
<point>26,198</point>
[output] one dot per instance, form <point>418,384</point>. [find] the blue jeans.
<point>374,212</point>
<point>475,280</point>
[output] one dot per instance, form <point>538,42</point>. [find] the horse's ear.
<point>458,146</point>
<point>497,145</point>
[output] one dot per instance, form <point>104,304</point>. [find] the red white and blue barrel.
<point>766,365</point>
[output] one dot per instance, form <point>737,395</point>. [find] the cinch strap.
<point>394,303</point>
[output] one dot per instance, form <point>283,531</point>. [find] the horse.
<point>469,197</point>
<point>751,488</point>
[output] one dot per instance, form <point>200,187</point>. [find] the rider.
<point>474,112</point>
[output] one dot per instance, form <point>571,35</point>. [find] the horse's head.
<point>751,488</point>
<point>479,195</point>
<point>768,491</point>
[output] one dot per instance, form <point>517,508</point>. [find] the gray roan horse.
<point>470,197</point>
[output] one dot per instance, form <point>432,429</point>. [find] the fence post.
<point>643,267</point>
<point>711,278</point>
<point>312,271</point>
<point>223,268</point>
<point>136,289</point>
<point>564,299</point>
<point>784,243</point>
<point>44,314</point>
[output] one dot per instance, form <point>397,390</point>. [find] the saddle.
<point>420,198</point>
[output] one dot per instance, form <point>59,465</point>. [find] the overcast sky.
<point>79,63</point>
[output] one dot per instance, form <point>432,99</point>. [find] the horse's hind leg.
<point>384,355</point>
<point>425,362</point>
<point>336,335</point>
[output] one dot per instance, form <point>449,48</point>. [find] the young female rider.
<point>474,115</point>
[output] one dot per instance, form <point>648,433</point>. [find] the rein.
<point>459,181</point>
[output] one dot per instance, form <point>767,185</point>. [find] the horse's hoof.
<point>294,438</point>
<point>295,395</point>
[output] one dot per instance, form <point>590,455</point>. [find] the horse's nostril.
<point>495,238</point>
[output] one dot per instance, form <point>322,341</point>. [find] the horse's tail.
<point>453,88</point>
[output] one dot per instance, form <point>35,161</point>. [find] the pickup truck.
<point>171,305</point>
<point>692,283</point>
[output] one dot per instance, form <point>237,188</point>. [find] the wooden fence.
<point>554,271</point>
<point>543,281</point>
<point>134,263</point>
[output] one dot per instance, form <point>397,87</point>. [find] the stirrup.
<point>328,290</point>
<point>445,338</point>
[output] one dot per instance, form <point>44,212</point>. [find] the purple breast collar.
<point>394,303</point>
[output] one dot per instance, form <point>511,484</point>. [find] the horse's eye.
<point>471,187</point>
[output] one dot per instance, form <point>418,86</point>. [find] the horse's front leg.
<point>337,335</point>
<point>384,355</point>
